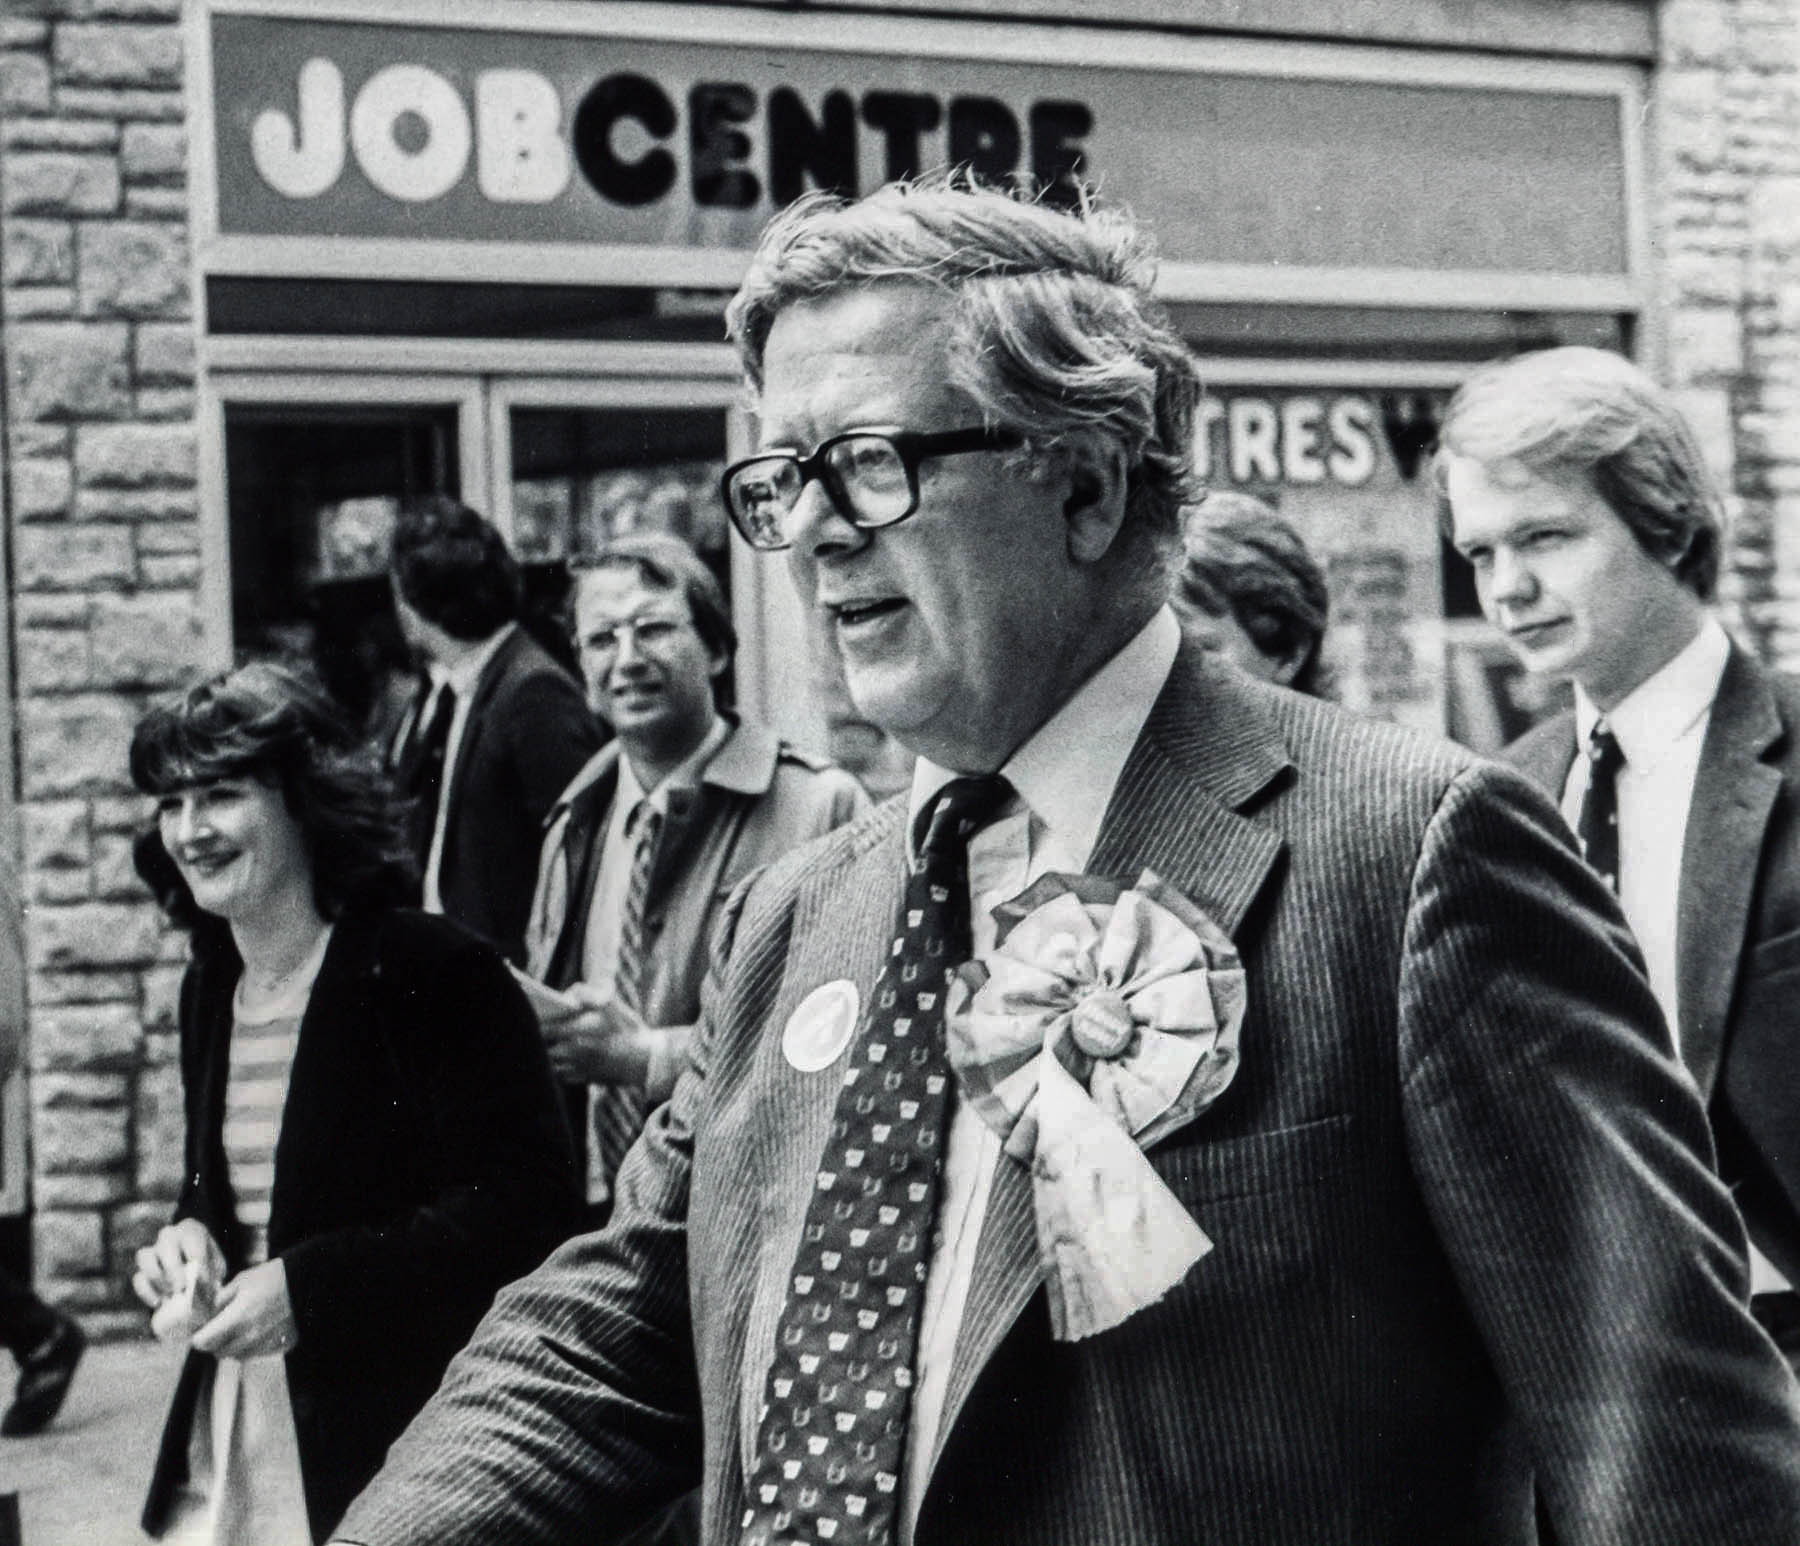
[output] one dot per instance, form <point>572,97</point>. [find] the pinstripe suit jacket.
<point>1470,1248</point>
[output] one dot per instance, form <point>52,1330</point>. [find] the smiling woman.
<point>390,1065</point>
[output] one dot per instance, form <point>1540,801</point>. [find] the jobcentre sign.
<point>649,143</point>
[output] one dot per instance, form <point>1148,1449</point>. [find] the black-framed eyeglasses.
<point>872,476</point>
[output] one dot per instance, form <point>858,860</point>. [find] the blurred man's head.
<point>1572,484</point>
<point>1250,590</point>
<point>1012,519</point>
<point>451,570</point>
<point>655,640</point>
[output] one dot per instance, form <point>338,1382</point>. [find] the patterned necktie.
<point>833,1431</point>
<point>617,1113</point>
<point>420,775</point>
<point>1598,823</point>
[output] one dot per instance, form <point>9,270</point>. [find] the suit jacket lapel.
<point>1207,750</point>
<point>486,685</point>
<point>1545,754</point>
<point>1734,792</point>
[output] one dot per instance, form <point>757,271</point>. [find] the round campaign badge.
<point>821,1026</point>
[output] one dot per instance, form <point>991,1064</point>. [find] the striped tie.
<point>617,1113</point>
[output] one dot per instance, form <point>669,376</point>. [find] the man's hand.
<point>602,1043</point>
<point>254,1318</point>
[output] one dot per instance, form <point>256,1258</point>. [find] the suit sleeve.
<point>1565,1159</point>
<point>574,1412</point>
<point>551,736</point>
<point>500,1188</point>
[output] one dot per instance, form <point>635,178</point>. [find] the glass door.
<point>580,461</point>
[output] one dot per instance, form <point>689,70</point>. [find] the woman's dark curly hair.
<point>273,722</point>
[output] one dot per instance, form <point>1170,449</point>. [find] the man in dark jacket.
<point>649,839</point>
<point>1577,492</point>
<point>496,732</point>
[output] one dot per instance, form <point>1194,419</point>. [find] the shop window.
<point>582,476</point>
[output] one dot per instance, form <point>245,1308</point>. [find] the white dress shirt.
<point>1064,776</point>
<point>461,679</point>
<point>1660,727</point>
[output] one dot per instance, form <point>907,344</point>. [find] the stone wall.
<point>99,344</point>
<point>1727,212</point>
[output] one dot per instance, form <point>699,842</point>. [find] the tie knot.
<point>1604,752</point>
<point>959,808</point>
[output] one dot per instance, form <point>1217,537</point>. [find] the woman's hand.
<point>254,1319</point>
<point>184,1253</point>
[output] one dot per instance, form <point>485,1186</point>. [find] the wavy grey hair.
<point>1054,331</point>
<point>1592,410</point>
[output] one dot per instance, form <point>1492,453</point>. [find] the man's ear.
<point>1094,506</point>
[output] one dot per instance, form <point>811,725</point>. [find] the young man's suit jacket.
<point>1467,1237</point>
<point>1738,936</point>
<point>528,733</point>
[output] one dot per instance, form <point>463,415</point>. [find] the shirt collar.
<point>684,776</point>
<point>1660,710</point>
<point>1066,771</point>
<point>463,676</point>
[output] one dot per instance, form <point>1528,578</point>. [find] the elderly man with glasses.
<point>1192,1114</point>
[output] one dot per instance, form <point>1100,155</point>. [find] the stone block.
<point>39,252</point>
<point>171,570</point>
<point>80,1140</point>
<point>74,557</point>
<point>51,988</point>
<point>1774,215</point>
<point>161,1123</point>
<point>24,83</point>
<point>28,440</point>
<point>23,32</point>
<point>80,1091</point>
<point>66,1244</point>
<point>84,1036</point>
<point>40,302</point>
<point>115,877</point>
<point>87,1299</point>
<point>56,835</point>
<point>55,660</point>
<point>156,203</point>
<point>56,182</point>
<point>70,370</point>
<point>121,813</point>
<point>169,10</point>
<point>164,403</point>
<point>59,134</point>
<point>116,102</point>
<point>113,1325</point>
<point>42,487</point>
<point>1703,344</point>
<point>150,150</point>
<point>136,504</point>
<point>150,640</point>
<point>137,1224</point>
<point>135,455</point>
<point>132,269</point>
<point>168,537</point>
<point>161,1005</point>
<point>94,1190</point>
<point>75,744</point>
<point>52,611</point>
<point>165,354</point>
<point>117,54</point>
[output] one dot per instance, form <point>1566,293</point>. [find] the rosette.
<point>1105,1019</point>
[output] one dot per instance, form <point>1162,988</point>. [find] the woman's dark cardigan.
<point>423,1162</point>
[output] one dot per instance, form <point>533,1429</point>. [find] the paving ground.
<point>81,1481</point>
